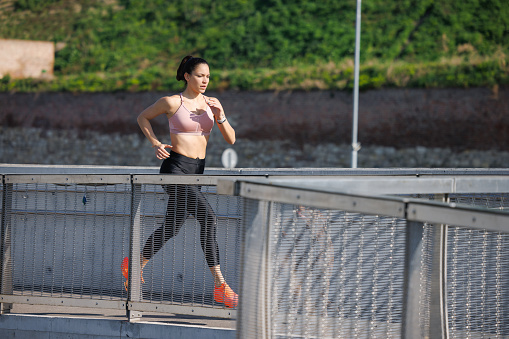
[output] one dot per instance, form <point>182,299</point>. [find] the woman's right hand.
<point>161,152</point>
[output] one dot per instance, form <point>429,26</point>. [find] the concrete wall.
<point>26,59</point>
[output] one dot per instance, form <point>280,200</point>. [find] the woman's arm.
<point>226,129</point>
<point>161,106</point>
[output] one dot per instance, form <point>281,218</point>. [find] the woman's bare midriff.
<point>191,146</point>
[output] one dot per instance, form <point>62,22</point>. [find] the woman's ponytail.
<point>181,70</point>
<point>187,65</point>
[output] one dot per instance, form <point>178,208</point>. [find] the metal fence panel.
<point>178,273</point>
<point>65,237</point>
<point>478,271</point>
<point>336,274</point>
<point>341,274</point>
<point>2,197</point>
<point>333,264</point>
<point>67,240</point>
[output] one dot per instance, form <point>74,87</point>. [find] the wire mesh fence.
<point>65,239</point>
<point>477,269</point>
<point>306,263</point>
<point>180,227</point>
<point>474,288</point>
<point>68,239</point>
<point>335,273</point>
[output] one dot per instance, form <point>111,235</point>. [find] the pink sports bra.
<point>187,122</point>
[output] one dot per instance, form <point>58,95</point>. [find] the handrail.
<point>128,170</point>
<point>410,209</point>
<point>387,184</point>
<point>416,212</point>
<point>141,196</point>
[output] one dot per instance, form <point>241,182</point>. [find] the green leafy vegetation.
<point>133,45</point>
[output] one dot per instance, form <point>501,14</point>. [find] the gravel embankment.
<point>66,147</point>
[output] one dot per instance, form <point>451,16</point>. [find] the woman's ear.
<point>186,76</point>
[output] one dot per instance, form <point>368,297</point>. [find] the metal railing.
<point>313,253</point>
<point>327,264</point>
<point>65,237</point>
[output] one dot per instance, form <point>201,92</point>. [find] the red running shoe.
<point>224,294</point>
<point>125,272</point>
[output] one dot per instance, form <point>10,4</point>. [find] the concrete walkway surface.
<point>34,322</point>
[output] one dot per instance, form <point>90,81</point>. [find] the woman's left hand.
<point>216,107</point>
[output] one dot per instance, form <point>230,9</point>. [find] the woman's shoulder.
<point>171,102</point>
<point>171,99</point>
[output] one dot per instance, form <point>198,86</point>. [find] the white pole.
<point>355,144</point>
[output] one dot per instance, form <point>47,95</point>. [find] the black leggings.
<point>185,200</point>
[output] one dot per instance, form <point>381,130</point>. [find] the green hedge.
<point>262,45</point>
<point>487,72</point>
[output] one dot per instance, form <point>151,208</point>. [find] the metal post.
<point>412,275</point>
<point>355,144</point>
<point>438,321</point>
<point>254,317</point>
<point>5,246</point>
<point>134,289</point>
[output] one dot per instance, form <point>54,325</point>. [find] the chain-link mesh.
<point>1,199</point>
<point>336,274</point>
<point>477,275</point>
<point>332,273</point>
<point>67,240</point>
<point>178,226</point>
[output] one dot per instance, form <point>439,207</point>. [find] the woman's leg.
<point>222,292</point>
<point>176,212</point>
<point>218,276</point>
<point>175,216</point>
<point>203,212</point>
<point>199,207</point>
<point>184,200</point>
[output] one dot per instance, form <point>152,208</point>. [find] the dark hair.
<point>187,65</point>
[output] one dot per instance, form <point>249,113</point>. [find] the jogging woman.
<point>191,116</point>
